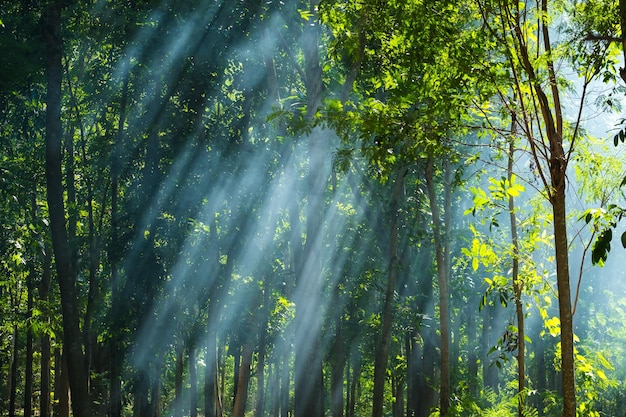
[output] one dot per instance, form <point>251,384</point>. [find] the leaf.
<point>305,14</point>
<point>624,240</point>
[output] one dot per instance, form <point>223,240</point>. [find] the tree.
<point>522,31</point>
<point>66,276</point>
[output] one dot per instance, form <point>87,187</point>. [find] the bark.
<point>193,382</point>
<point>260,367</point>
<point>44,287</point>
<point>336,383</point>
<point>384,343</point>
<point>425,394</point>
<point>557,161</point>
<point>28,373</point>
<point>116,354</point>
<point>444,320</point>
<point>565,306</point>
<point>243,379</point>
<point>78,378</point>
<point>178,383</point>
<point>517,283</point>
<point>472,366</point>
<point>61,385</point>
<point>398,395</point>
<point>13,372</point>
<point>210,373</point>
<point>622,21</point>
<point>308,324</point>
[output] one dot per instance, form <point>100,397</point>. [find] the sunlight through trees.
<point>312,208</point>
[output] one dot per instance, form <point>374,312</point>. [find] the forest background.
<point>340,208</point>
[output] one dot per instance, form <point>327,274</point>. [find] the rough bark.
<point>78,378</point>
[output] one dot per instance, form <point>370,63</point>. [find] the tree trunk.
<point>336,383</point>
<point>308,324</point>
<point>28,373</point>
<point>13,371</point>
<point>210,371</point>
<point>44,287</point>
<point>444,320</point>
<point>565,304</point>
<point>243,379</point>
<point>262,329</point>
<point>178,383</point>
<point>61,385</point>
<point>518,285</point>
<point>193,382</point>
<point>78,378</point>
<point>116,356</point>
<point>384,343</point>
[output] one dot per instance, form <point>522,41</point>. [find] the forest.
<point>229,208</point>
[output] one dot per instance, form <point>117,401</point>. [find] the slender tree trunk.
<point>193,382</point>
<point>44,287</point>
<point>243,379</point>
<point>336,383</point>
<point>356,375</point>
<point>308,324</point>
<point>262,329</point>
<point>211,393</point>
<point>28,373</point>
<point>116,354</point>
<point>518,285</point>
<point>178,383</point>
<point>61,385</point>
<point>13,371</point>
<point>565,305</point>
<point>444,320</point>
<point>384,343</point>
<point>78,377</point>
<point>426,394</point>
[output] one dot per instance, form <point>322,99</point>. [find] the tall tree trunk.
<point>336,383</point>
<point>308,324</point>
<point>28,373</point>
<point>444,320</point>
<point>13,371</point>
<point>116,354</point>
<point>193,382</point>
<point>426,395</point>
<point>178,382</point>
<point>44,287</point>
<point>78,378</point>
<point>61,385</point>
<point>384,343</point>
<point>565,305</point>
<point>210,371</point>
<point>260,367</point>
<point>243,379</point>
<point>517,283</point>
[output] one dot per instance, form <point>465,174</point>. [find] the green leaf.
<point>624,240</point>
